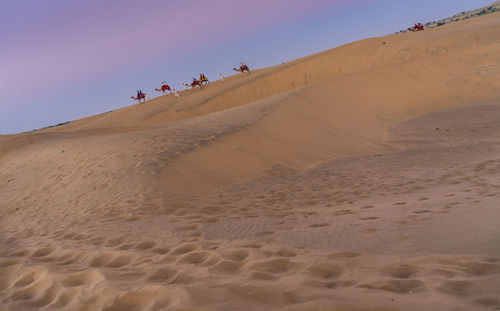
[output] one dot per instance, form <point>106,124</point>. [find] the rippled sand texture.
<point>361,178</point>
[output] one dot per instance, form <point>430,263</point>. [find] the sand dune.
<point>360,178</point>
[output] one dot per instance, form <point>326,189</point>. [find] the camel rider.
<point>194,80</point>
<point>140,94</point>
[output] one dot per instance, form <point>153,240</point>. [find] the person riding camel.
<point>418,27</point>
<point>140,94</point>
<point>243,67</point>
<point>203,78</point>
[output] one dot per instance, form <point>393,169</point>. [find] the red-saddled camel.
<point>164,87</point>
<point>242,69</point>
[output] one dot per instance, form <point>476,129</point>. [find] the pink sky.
<point>70,42</point>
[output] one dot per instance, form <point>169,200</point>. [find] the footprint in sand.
<point>162,275</point>
<point>458,288</point>
<point>236,255</point>
<point>42,252</point>
<point>187,227</point>
<point>343,212</point>
<point>195,258</point>
<point>398,286</point>
<point>83,278</point>
<point>488,302</point>
<point>145,245</point>
<point>276,266</point>
<point>29,278</point>
<point>422,211</point>
<point>101,260</point>
<point>161,250</point>
<point>368,218</point>
<point>10,262</point>
<point>266,232</point>
<point>325,270</point>
<point>32,291</point>
<point>120,261</point>
<point>400,271</point>
<point>186,248</point>
<point>343,255</point>
<point>227,267</point>
<point>115,242</point>
<point>148,298</point>
<point>284,252</point>
<point>319,225</point>
<point>21,253</point>
<point>69,258</point>
<point>125,246</point>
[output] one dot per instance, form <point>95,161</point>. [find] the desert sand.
<point>361,178</point>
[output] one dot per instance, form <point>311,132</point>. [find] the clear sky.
<point>61,60</point>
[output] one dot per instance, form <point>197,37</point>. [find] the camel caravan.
<point>196,83</point>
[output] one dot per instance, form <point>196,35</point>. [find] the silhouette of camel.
<point>193,84</point>
<point>242,69</point>
<point>142,96</point>
<point>164,87</point>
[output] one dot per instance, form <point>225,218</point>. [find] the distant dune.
<point>364,177</point>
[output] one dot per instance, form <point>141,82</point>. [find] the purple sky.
<point>62,60</point>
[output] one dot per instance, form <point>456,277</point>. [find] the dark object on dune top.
<point>417,27</point>
<point>58,124</point>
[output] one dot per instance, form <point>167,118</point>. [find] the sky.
<point>62,60</point>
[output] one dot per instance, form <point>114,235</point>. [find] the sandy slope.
<point>360,178</point>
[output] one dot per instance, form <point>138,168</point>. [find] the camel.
<point>242,69</point>
<point>192,85</point>
<point>143,96</point>
<point>203,79</point>
<point>164,88</point>
<point>417,27</point>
